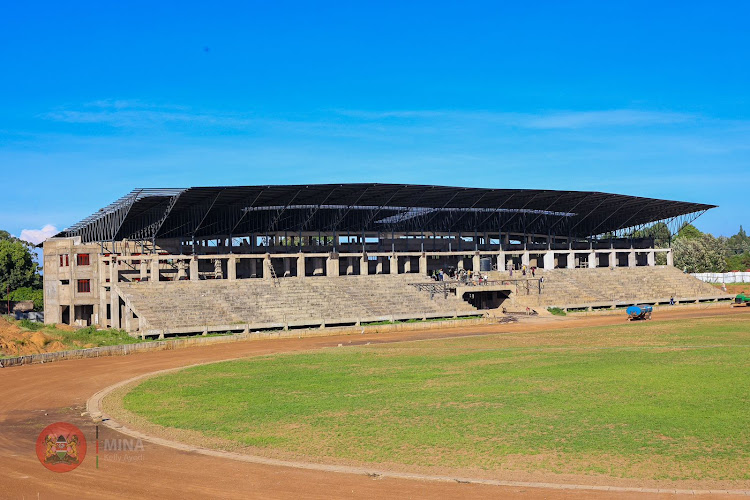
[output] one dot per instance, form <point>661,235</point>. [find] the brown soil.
<point>735,288</point>
<point>17,342</point>
<point>34,396</point>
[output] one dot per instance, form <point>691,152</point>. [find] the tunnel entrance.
<point>484,300</point>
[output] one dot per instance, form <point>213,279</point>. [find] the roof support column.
<point>232,268</point>
<point>154,268</point>
<point>364,265</point>
<point>194,269</point>
<point>300,265</point>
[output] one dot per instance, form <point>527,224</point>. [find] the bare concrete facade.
<point>80,280</point>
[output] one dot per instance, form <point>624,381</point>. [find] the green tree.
<point>739,262</point>
<point>18,267</point>
<point>739,243</point>
<point>702,254</point>
<point>659,232</point>
<point>688,231</point>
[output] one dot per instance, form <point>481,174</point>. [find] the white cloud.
<point>36,236</point>
<point>541,120</point>
<point>137,114</point>
<point>608,118</point>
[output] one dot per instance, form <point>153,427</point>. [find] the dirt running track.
<point>34,396</point>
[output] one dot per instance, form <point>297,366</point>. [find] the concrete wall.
<point>102,305</point>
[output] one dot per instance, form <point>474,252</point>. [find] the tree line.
<point>698,252</point>
<point>20,273</point>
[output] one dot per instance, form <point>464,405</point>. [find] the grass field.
<point>665,400</point>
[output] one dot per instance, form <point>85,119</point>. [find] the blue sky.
<point>646,98</point>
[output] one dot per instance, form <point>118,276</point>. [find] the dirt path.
<point>34,396</point>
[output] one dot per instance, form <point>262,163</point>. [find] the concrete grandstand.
<point>203,259</point>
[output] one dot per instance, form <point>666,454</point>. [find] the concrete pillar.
<point>571,260</point>
<point>525,258</point>
<point>423,265</point>
<point>475,263</point>
<point>143,266</point>
<point>631,258</point>
<point>460,264</point>
<point>501,262</point>
<point>267,267</point>
<point>364,265</point>
<point>613,259</point>
<point>287,267</point>
<point>349,266</point>
<point>300,265</point>
<point>154,269</point>
<point>592,260</point>
<point>670,258</point>
<point>651,258</point>
<point>194,269</point>
<point>114,308</point>
<point>128,319</point>
<point>333,267</point>
<point>379,265</point>
<point>254,268</point>
<point>394,264</point>
<point>549,260</point>
<point>232,268</point>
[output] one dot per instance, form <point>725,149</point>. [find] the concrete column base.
<point>154,270</point>
<point>300,265</point>
<point>549,260</point>
<point>232,268</point>
<point>332,265</point>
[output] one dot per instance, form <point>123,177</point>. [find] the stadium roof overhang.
<point>209,212</point>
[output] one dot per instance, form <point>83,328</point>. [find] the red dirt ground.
<point>33,396</point>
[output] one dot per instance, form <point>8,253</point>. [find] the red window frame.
<point>64,261</point>
<point>84,286</point>
<point>83,259</point>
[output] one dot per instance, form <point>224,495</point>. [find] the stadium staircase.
<point>221,305</point>
<point>610,287</point>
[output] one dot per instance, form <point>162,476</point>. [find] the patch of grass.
<point>98,338</point>
<point>556,311</point>
<point>661,400</point>
<point>80,338</point>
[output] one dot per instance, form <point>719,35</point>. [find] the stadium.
<point>161,262</point>
<point>380,340</point>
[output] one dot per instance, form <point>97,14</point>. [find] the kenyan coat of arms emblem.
<point>61,447</point>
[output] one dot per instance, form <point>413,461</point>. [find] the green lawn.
<point>667,400</point>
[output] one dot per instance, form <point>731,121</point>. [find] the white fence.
<point>743,277</point>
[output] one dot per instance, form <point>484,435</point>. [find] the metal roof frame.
<point>225,211</point>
